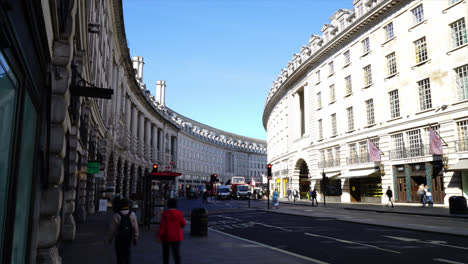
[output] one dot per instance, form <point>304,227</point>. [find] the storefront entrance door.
<point>438,193</point>
<point>401,189</point>
<point>354,190</point>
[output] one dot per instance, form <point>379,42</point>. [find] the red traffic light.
<point>269,166</point>
<point>215,175</point>
<point>155,166</point>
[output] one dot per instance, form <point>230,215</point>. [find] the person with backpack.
<point>170,231</point>
<point>123,229</point>
<point>389,194</point>
<point>313,195</point>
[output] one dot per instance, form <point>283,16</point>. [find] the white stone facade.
<point>378,72</point>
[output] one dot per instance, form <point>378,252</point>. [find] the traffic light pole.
<point>268,193</point>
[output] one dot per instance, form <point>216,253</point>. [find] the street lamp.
<point>445,162</point>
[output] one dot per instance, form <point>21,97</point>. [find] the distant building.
<point>387,71</point>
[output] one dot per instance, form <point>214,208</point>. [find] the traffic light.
<point>214,178</point>
<point>269,170</point>
<point>324,178</point>
<point>155,167</point>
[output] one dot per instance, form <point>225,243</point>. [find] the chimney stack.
<point>138,66</point>
<point>160,92</point>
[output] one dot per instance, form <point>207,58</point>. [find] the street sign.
<point>93,167</point>
<point>167,168</point>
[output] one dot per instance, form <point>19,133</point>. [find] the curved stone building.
<point>77,123</point>
<point>377,74</point>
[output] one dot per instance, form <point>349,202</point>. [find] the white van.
<point>224,192</point>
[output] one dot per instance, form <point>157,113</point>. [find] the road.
<point>327,240</point>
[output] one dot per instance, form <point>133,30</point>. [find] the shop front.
<point>408,178</point>
<point>364,185</point>
<point>285,187</point>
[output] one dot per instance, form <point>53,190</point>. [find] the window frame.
<point>417,14</point>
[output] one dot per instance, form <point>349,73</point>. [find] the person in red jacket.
<point>170,231</point>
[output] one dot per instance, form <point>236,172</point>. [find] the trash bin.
<point>457,205</point>
<point>199,222</point>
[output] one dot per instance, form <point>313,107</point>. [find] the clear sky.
<point>219,58</point>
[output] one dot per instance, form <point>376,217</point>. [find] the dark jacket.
<point>171,226</point>
<point>389,193</point>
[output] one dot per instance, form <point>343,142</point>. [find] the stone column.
<point>90,191</point>
<point>128,114</point>
<point>408,182</point>
<point>69,224</point>
<point>154,143</point>
<point>141,134</point>
<point>147,140</point>
<point>133,141</point>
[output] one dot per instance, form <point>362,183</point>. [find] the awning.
<point>461,165</point>
<point>329,175</point>
<point>165,174</point>
<point>359,173</point>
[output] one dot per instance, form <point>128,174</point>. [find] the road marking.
<point>273,248</point>
<point>351,242</point>
<point>438,243</point>
<point>448,261</point>
<point>277,227</point>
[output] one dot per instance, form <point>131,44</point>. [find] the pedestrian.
<point>296,194</point>
<point>123,229</point>
<point>205,196</point>
<point>116,203</point>
<point>428,197</point>
<point>314,197</point>
<point>289,194</point>
<point>308,195</point>
<point>275,199</point>
<point>389,194</point>
<point>170,231</point>
<point>421,194</point>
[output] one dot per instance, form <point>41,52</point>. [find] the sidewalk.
<point>399,208</point>
<point>89,247</point>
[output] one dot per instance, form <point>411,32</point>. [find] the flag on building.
<point>435,147</point>
<point>374,152</point>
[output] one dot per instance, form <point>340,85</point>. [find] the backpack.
<point>125,232</point>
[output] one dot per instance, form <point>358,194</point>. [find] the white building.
<point>386,70</point>
<point>201,150</point>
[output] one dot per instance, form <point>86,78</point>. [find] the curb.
<point>407,213</point>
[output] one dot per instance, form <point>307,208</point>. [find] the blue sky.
<point>219,58</point>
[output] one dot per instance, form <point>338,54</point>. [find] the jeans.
<point>175,251</point>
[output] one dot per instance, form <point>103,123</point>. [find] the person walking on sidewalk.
<point>276,199</point>
<point>314,197</point>
<point>296,195</point>
<point>422,193</point>
<point>124,229</point>
<point>389,194</point>
<point>289,194</point>
<point>205,196</point>
<point>170,231</point>
<point>428,196</point>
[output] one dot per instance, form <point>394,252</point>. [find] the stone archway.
<point>301,172</point>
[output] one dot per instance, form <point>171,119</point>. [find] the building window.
<point>462,82</point>
<point>320,129</point>
<point>451,2</point>
<point>391,64</point>
<point>367,75</point>
<point>421,50</point>
<point>462,131</point>
<point>389,31</point>
<point>319,100</point>
<point>333,124</point>
<point>347,57</point>
<point>317,74</point>
<point>415,143</point>
<point>348,86</point>
<point>330,161</point>
<point>332,93</point>
<point>370,112</point>
<point>363,157</point>
<point>394,104</point>
<point>418,14</point>
<point>350,118</point>
<point>337,156</point>
<point>331,68</point>
<point>458,29</point>
<point>425,100</point>
<point>365,46</point>
<point>342,24</point>
<point>398,146</point>
<point>352,159</point>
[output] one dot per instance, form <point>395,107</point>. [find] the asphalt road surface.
<point>325,240</point>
